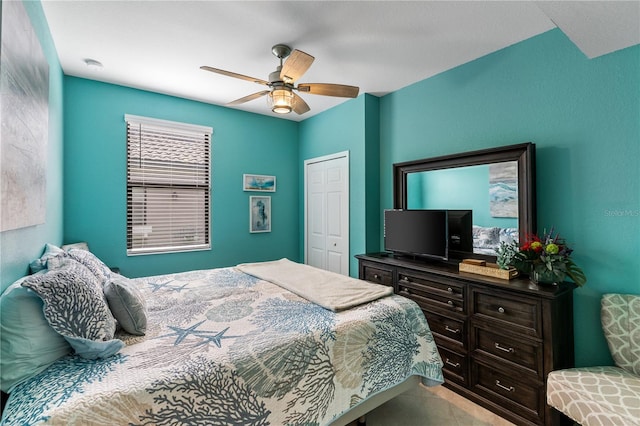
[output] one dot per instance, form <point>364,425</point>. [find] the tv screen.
<point>416,232</point>
<point>460,232</point>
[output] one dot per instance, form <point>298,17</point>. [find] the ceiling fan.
<point>281,82</point>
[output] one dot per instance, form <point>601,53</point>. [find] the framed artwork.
<point>259,214</point>
<point>261,183</point>
<point>24,107</point>
<point>503,189</point>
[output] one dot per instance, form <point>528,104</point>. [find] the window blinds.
<point>168,186</point>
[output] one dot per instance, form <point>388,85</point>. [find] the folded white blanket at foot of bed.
<point>327,289</point>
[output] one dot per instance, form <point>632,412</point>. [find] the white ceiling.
<point>380,46</point>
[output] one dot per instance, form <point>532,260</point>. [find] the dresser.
<point>498,339</point>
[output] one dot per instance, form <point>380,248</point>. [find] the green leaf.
<point>576,274</point>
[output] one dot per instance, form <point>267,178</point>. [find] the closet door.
<point>327,212</point>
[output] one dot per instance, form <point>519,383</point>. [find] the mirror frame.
<point>523,153</point>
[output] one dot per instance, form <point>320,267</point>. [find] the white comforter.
<point>327,289</point>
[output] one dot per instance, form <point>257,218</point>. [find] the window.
<point>168,186</point>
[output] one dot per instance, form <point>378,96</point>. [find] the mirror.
<point>497,184</point>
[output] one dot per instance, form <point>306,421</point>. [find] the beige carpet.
<point>435,406</point>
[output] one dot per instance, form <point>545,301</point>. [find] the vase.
<point>542,275</point>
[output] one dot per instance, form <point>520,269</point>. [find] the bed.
<point>227,346</point>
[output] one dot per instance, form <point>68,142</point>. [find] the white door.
<point>327,212</point>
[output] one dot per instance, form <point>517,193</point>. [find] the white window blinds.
<point>168,186</point>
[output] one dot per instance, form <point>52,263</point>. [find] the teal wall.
<point>584,117</point>
<point>20,246</point>
<point>373,219</point>
<point>95,177</point>
<point>351,126</point>
<point>465,188</point>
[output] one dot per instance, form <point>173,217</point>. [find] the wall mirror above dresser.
<point>496,184</point>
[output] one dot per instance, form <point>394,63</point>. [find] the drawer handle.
<point>452,330</point>
<point>450,303</point>
<point>452,364</point>
<point>450,290</point>
<point>376,276</point>
<point>406,279</point>
<point>501,386</point>
<point>501,310</point>
<point>503,349</point>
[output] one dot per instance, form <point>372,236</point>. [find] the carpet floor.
<point>435,406</point>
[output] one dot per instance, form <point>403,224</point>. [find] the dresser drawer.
<point>432,284</point>
<point>454,366</point>
<point>525,399</point>
<point>432,293</point>
<point>524,353</point>
<point>375,274</point>
<point>428,300</point>
<point>522,314</point>
<point>448,328</point>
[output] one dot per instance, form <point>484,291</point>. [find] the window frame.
<point>144,126</point>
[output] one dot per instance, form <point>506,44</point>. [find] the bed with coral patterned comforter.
<point>224,347</point>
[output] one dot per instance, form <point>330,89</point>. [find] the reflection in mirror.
<point>489,190</point>
<point>497,184</point>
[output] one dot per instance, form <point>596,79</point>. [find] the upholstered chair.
<point>605,395</point>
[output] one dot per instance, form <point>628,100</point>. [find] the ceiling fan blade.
<point>299,105</point>
<point>249,98</point>
<point>296,64</point>
<point>326,89</point>
<point>235,75</point>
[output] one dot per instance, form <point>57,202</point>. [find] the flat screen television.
<point>460,233</point>
<point>417,233</point>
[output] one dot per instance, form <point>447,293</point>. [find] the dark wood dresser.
<point>498,339</point>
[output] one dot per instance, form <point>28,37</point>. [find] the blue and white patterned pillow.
<point>94,264</point>
<point>75,307</point>
<point>486,237</point>
<point>509,235</point>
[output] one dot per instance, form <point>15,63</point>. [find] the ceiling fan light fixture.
<point>281,83</point>
<point>281,100</point>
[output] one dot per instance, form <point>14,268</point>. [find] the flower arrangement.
<point>545,259</point>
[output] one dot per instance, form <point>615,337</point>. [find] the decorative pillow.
<point>95,265</point>
<point>28,344</point>
<point>81,245</point>
<point>486,237</point>
<point>50,251</point>
<point>621,324</point>
<point>75,307</point>
<point>127,305</point>
<point>509,235</point>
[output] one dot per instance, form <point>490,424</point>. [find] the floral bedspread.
<point>225,348</point>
